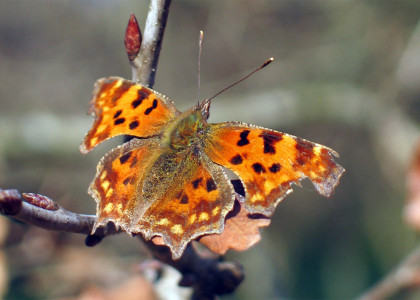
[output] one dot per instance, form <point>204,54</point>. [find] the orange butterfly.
<point>170,182</point>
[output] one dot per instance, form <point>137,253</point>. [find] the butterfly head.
<point>204,107</point>
<point>189,126</point>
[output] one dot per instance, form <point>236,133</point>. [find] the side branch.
<point>405,275</point>
<point>52,217</point>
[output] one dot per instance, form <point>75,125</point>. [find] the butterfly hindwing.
<point>142,188</point>
<point>194,204</point>
<point>122,107</point>
<point>268,162</point>
<point>114,187</point>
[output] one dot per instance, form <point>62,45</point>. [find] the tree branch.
<point>145,64</point>
<point>204,271</point>
<point>405,275</point>
<point>16,205</point>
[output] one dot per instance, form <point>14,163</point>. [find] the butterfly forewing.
<point>268,162</point>
<point>121,107</point>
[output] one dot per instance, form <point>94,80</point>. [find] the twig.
<point>206,273</point>
<point>405,275</point>
<point>14,205</point>
<point>145,64</point>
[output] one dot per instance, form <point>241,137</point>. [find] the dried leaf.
<point>240,233</point>
<point>158,241</point>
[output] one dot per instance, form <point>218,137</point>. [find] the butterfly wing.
<point>268,162</point>
<point>195,203</point>
<point>143,189</point>
<point>114,187</point>
<point>122,107</point>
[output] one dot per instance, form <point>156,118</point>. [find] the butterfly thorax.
<point>187,130</point>
<point>179,157</point>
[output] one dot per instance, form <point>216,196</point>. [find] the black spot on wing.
<point>136,103</point>
<point>275,168</point>
<point>125,157</point>
<point>236,160</point>
<point>133,125</point>
<point>258,168</point>
<point>270,139</point>
<point>118,113</point>
<point>151,108</point>
<point>119,121</point>
<point>210,185</point>
<point>243,138</point>
<point>184,199</point>
<point>197,182</point>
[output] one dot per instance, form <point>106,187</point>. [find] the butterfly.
<point>169,180</point>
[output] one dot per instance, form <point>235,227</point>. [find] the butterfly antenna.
<point>269,61</point>
<point>200,43</point>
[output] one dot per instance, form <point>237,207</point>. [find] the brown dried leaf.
<point>240,233</point>
<point>158,241</point>
<point>412,208</point>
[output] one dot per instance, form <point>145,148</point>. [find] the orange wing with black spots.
<point>142,188</point>
<point>268,162</point>
<point>122,107</point>
<point>195,204</point>
<point>115,186</point>
<point>171,184</point>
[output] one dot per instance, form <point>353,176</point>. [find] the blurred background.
<point>346,75</point>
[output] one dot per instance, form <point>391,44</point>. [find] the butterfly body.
<point>170,180</point>
<point>187,129</point>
